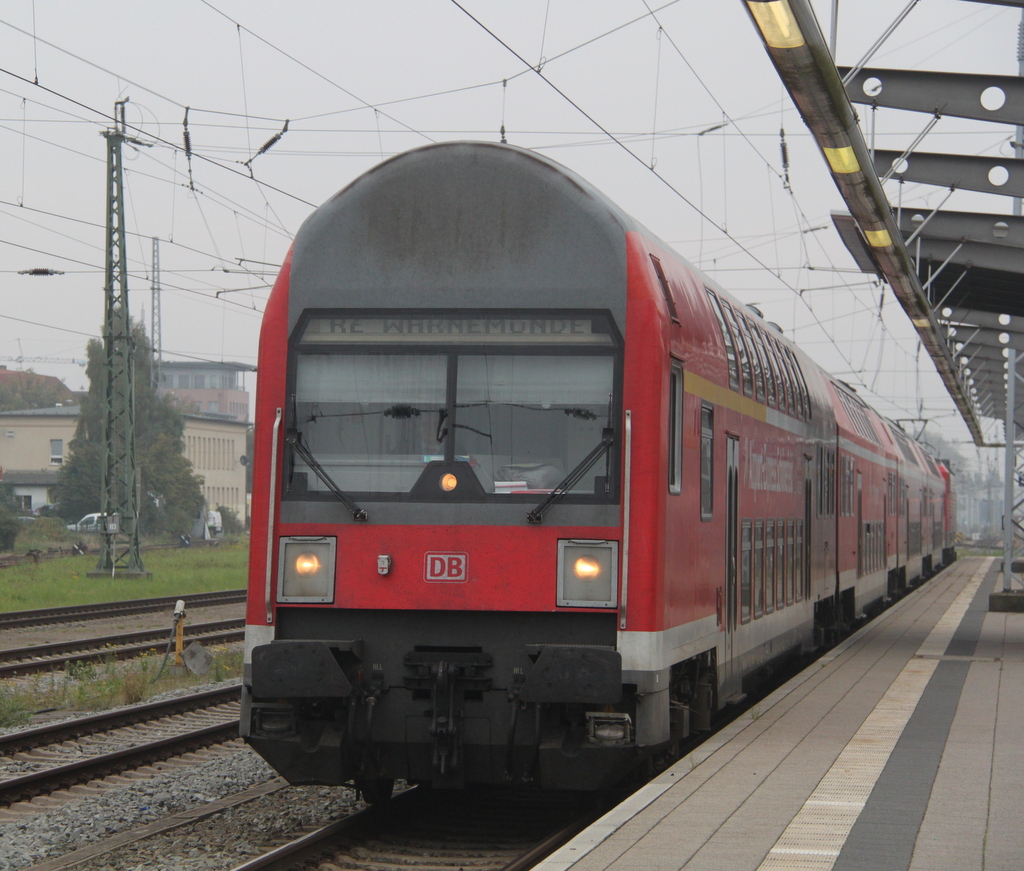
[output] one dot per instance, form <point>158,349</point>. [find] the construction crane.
<point>75,360</point>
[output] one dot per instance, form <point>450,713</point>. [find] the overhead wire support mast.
<point>156,330</point>
<point>119,501</point>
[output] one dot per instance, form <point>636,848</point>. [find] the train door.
<point>860,525</point>
<point>805,574</point>
<point>885,534</point>
<point>732,525</point>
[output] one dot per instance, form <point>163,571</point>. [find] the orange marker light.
<point>307,564</point>
<point>449,482</point>
<point>586,568</point>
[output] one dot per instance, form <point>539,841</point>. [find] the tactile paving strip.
<point>815,836</point>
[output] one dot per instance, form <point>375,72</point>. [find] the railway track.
<point>482,829</point>
<point>19,661</point>
<point>75,613</point>
<point>69,730</point>
<point>478,829</point>
<point>59,756</point>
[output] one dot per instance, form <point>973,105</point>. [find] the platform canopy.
<point>970,263</point>
<point>958,275</point>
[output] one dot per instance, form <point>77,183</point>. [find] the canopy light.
<point>776,22</point>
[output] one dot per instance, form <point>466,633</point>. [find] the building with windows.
<point>216,448</point>
<point>34,445</point>
<point>208,388</point>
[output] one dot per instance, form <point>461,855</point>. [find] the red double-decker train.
<point>533,496</point>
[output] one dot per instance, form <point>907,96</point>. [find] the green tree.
<point>229,517</point>
<point>10,526</point>
<point>171,494</point>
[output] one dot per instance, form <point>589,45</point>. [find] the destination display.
<point>592,330</point>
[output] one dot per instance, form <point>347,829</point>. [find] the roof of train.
<point>494,206</point>
<point>486,201</point>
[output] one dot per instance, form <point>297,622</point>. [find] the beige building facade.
<point>34,445</point>
<point>216,447</point>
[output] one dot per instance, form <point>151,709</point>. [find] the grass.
<point>176,572</point>
<point>45,533</point>
<point>90,686</point>
<point>95,687</point>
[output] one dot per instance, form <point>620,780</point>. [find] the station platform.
<point>902,748</point>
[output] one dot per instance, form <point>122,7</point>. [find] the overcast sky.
<point>671,108</point>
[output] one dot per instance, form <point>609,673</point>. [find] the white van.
<point>89,523</point>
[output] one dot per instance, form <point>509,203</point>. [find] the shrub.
<point>10,526</point>
<point>231,525</point>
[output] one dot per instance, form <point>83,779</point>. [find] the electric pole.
<point>119,500</point>
<point>155,329</point>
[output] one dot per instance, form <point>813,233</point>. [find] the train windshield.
<point>520,418</point>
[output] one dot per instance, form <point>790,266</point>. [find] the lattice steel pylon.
<point>155,327</point>
<point>119,503</point>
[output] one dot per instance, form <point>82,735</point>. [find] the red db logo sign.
<point>442,568</point>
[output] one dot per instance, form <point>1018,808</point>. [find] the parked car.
<point>90,523</point>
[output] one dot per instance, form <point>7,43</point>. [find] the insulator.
<point>187,135</point>
<point>270,143</point>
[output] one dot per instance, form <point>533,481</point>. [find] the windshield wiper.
<point>574,477</point>
<point>296,442</point>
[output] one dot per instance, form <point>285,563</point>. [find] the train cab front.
<point>442,597</point>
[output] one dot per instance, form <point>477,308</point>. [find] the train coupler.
<point>447,675</point>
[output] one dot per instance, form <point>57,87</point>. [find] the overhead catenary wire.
<point>248,121</point>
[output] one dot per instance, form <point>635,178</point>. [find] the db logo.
<point>445,567</point>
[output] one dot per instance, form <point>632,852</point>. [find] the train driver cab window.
<point>675,429</point>
<point>519,403</point>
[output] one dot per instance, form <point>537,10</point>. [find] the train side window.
<point>800,576</point>
<point>741,348</point>
<point>768,368</point>
<point>846,486</point>
<point>830,483</point>
<point>792,392</point>
<point>784,559</point>
<point>769,566</point>
<point>776,368</point>
<point>730,347</point>
<point>666,290</point>
<point>755,355</point>
<point>826,482</point>
<point>805,396</point>
<point>675,429</point>
<point>784,384</point>
<point>758,568</point>
<point>745,569</point>
<point>794,561</point>
<point>707,460</point>
<point>819,474</point>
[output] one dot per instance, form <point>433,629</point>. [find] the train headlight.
<point>588,573</point>
<point>586,568</point>
<point>306,569</point>
<point>307,564</point>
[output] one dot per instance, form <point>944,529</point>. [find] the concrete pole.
<point>1018,138</point>
<point>1009,467</point>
